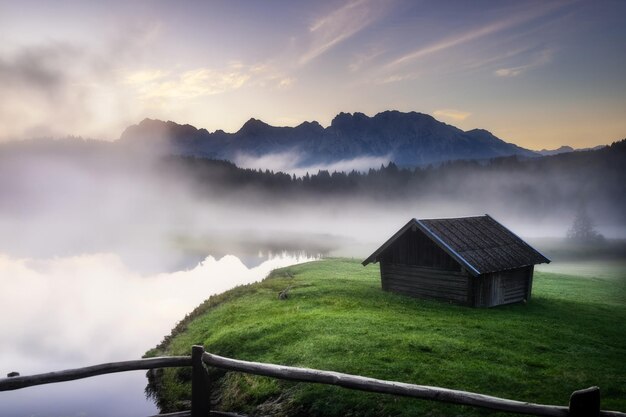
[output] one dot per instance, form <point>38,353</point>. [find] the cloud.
<point>156,84</point>
<point>394,78</point>
<point>452,114</point>
<point>479,63</point>
<point>339,25</point>
<point>39,67</point>
<point>543,58</point>
<point>56,89</point>
<point>291,163</point>
<point>471,35</point>
<point>509,72</point>
<point>145,76</point>
<point>286,82</point>
<point>60,88</point>
<point>361,59</point>
<point>451,42</point>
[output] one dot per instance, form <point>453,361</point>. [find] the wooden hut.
<point>471,260</point>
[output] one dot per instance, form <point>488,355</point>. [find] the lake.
<point>81,310</point>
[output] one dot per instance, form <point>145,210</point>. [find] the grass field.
<point>571,335</point>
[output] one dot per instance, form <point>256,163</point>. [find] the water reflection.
<point>120,395</point>
<point>81,310</point>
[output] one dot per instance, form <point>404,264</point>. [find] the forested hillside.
<point>538,185</point>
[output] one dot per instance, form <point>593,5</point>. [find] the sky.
<point>540,74</point>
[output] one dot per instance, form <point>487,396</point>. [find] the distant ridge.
<point>407,139</point>
<point>566,149</point>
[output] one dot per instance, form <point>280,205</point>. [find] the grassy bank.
<point>570,336</point>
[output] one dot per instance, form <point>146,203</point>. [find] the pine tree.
<point>582,228</point>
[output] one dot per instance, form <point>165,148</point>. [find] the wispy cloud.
<point>538,60</point>
<point>471,35</point>
<point>189,84</point>
<point>394,78</point>
<point>453,114</point>
<point>509,72</point>
<point>145,76</point>
<point>159,84</point>
<point>481,62</point>
<point>286,82</point>
<point>449,43</point>
<point>339,25</point>
<point>361,59</point>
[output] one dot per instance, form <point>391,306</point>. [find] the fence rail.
<point>17,382</point>
<point>580,398</point>
<point>583,403</point>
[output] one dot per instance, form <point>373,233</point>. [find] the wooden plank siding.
<point>414,265</point>
<point>503,287</point>
<point>415,248</point>
<point>424,282</point>
<point>529,288</point>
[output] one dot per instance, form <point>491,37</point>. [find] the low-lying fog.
<point>54,203</point>
<point>100,256</point>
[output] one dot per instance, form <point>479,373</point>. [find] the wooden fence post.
<point>200,388</point>
<point>585,403</point>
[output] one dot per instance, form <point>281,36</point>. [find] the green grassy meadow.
<point>571,335</point>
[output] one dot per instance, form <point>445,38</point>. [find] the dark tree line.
<point>592,173</point>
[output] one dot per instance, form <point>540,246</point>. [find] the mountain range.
<point>407,139</point>
<point>566,149</point>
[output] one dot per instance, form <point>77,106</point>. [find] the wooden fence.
<point>583,403</point>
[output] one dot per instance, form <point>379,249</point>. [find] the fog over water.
<point>73,311</point>
<point>98,265</point>
<point>101,253</point>
<point>62,305</point>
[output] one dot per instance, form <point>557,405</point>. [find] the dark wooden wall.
<point>504,287</point>
<point>424,282</point>
<point>415,248</point>
<point>414,265</point>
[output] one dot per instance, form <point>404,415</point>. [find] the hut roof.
<point>480,243</point>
